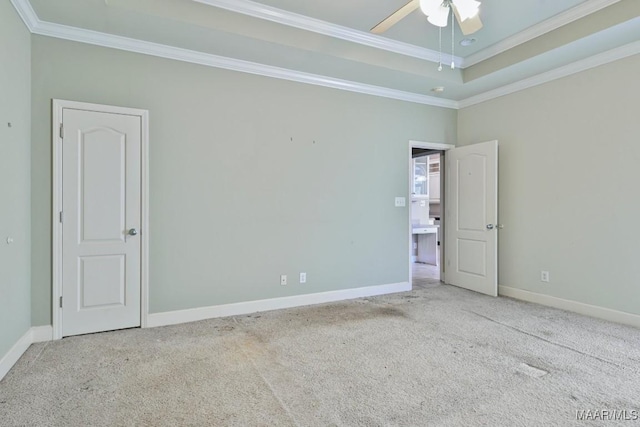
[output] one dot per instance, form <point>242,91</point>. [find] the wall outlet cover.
<point>544,276</point>
<point>400,202</point>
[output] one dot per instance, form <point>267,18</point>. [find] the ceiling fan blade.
<point>395,17</point>
<point>470,25</point>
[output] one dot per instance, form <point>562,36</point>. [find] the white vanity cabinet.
<point>428,236</point>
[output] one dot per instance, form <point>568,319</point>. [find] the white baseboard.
<point>12,356</point>
<point>569,305</point>
<point>240,308</point>
<point>33,335</point>
<point>42,333</point>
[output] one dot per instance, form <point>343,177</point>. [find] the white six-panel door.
<point>101,219</point>
<point>471,217</point>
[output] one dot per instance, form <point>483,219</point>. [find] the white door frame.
<point>56,225</point>
<point>429,146</point>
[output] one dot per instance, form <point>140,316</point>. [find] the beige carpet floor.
<point>436,356</point>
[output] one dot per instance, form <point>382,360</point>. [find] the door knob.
<point>489,226</point>
<point>133,232</point>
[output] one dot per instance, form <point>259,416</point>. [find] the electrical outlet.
<point>283,279</point>
<point>544,276</point>
<point>400,202</point>
<point>303,277</point>
<point>415,245</point>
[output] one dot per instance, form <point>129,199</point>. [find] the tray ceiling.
<point>522,43</point>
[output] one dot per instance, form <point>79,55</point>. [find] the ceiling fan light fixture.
<point>440,16</point>
<point>429,6</point>
<point>467,8</point>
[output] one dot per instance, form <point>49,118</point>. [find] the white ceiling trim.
<point>26,13</point>
<point>66,32</point>
<point>216,61</point>
<point>558,73</point>
<point>36,26</point>
<point>284,17</point>
<point>573,14</point>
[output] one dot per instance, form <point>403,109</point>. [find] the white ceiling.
<point>522,43</point>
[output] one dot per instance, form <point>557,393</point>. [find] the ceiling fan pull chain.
<point>440,51</point>
<point>453,43</point>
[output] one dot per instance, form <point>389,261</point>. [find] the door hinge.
<point>61,131</point>
<point>61,217</point>
<point>60,302</point>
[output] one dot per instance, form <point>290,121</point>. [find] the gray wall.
<point>15,104</point>
<point>569,161</point>
<point>251,177</point>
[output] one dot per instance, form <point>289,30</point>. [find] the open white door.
<point>472,212</point>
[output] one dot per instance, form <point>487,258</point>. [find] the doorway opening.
<point>426,213</point>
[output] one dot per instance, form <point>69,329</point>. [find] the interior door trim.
<point>56,225</point>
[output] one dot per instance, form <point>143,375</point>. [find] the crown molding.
<point>280,16</point>
<point>65,32</point>
<point>284,17</point>
<point>49,29</point>
<point>573,14</point>
<point>26,13</point>
<point>557,73</point>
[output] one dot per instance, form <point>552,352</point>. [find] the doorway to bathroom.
<point>456,241</point>
<point>426,213</point>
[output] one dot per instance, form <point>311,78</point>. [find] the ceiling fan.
<point>437,11</point>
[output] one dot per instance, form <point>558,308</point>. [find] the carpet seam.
<point>266,381</point>
<point>600,359</point>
